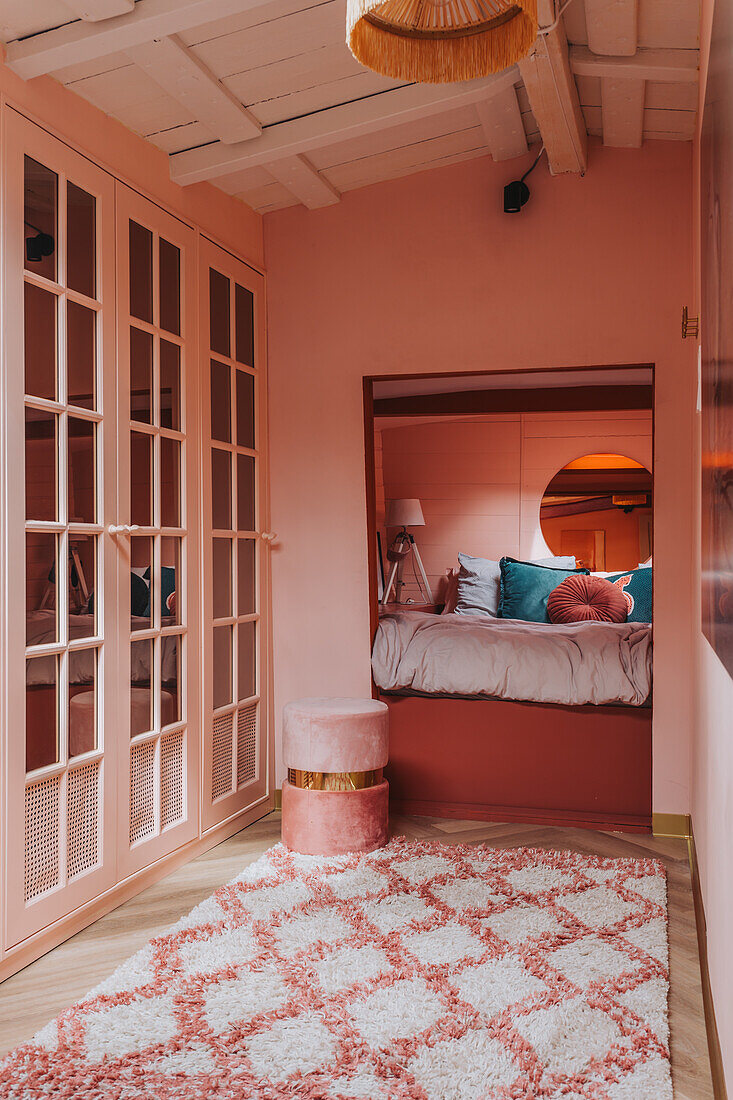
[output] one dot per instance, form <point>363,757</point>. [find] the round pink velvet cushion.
<point>582,598</point>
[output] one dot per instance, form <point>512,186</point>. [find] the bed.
<point>41,630</point>
<point>501,719</point>
<point>470,655</point>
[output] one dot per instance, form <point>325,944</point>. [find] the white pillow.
<point>615,572</point>
<point>479,583</point>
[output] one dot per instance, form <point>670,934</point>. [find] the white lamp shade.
<point>406,512</point>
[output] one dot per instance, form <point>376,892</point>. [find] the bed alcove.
<point>491,758</point>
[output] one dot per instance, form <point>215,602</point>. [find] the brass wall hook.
<point>690,325</point>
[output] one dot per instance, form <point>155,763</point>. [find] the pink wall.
<point>712,770</point>
<point>427,274</point>
<point>712,818</point>
<point>480,481</point>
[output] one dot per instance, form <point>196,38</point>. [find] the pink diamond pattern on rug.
<point>445,945</point>
<point>599,907</point>
<point>226,1003</point>
<point>350,964</point>
<point>519,923</point>
<point>417,972</point>
<point>591,959</point>
<point>204,956</point>
<point>397,1010</point>
<point>494,984</point>
<point>566,1036</point>
<point>294,1045</point>
<point>474,1065</point>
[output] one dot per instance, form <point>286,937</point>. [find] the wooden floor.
<point>32,997</point>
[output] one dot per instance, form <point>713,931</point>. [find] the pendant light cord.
<point>556,20</point>
<point>534,164</point>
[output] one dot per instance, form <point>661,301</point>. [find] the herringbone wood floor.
<point>29,999</point>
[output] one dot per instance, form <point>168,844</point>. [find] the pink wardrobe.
<point>134,546</point>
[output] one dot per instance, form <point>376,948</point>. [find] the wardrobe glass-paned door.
<point>236,565</point>
<point>59,433</point>
<point>157,527</point>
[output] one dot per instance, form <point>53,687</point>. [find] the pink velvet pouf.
<point>335,737</point>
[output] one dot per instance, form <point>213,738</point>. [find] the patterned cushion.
<point>581,599</point>
<point>636,586</point>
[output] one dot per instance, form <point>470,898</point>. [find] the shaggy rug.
<point>420,971</point>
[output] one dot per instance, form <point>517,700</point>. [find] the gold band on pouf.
<point>334,781</point>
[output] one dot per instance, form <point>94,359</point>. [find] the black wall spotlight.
<point>516,193</point>
<point>36,248</point>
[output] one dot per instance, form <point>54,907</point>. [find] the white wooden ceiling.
<point>263,97</point>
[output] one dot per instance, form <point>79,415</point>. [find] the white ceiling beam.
<point>501,121</point>
<point>612,26</point>
<point>176,69</point>
<point>303,182</point>
<point>622,109</point>
<point>553,96</point>
<point>573,20</point>
<point>92,10</point>
<point>333,125</point>
<point>79,42</point>
<point>677,66</point>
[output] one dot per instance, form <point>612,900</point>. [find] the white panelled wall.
<point>481,479</point>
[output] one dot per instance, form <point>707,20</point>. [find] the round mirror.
<point>599,509</point>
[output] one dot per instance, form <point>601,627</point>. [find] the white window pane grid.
<point>77,843</point>
<point>64,524</point>
<point>163,816</point>
<point>235,533</point>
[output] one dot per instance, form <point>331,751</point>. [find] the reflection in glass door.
<point>235,645</point>
<point>59,408</point>
<point>157,511</point>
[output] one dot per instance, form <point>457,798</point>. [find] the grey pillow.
<point>479,583</point>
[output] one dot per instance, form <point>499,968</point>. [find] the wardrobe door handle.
<point>123,528</point>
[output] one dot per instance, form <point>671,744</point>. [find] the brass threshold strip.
<point>711,1027</point>
<point>672,825</point>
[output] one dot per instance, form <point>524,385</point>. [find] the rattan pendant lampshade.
<point>439,41</point>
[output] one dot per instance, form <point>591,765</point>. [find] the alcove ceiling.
<point>436,396</point>
<point>263,98</point>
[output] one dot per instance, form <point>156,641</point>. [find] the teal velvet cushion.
<point>479,582</point>
<point>525,588</point>
<point>636,585</point>
<point>167,585</point>
<point>139,597</point>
